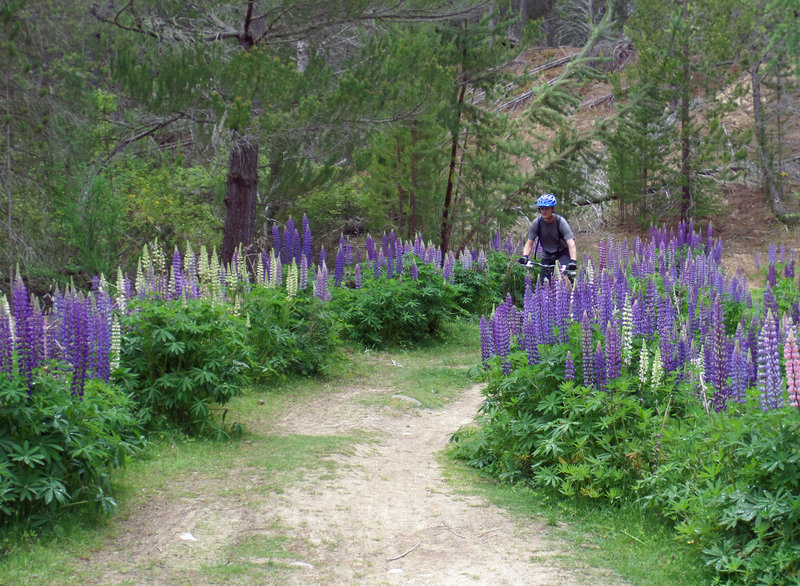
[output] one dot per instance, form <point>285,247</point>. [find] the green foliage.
<point>479,292</point>
<point>732,485</point>
<point>557,434</point>
<point>289,335</point>
<point>56,450</point>
<point>181,358</point>
<point>390,311</point>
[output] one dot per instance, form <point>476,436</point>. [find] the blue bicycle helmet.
<point>546,200</point>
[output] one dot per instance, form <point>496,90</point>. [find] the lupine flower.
<point>357,276</point>
<point>569,367</point>
<point>768,365</point>
<point>414,270</point>
<point>657,373</point>
<point>613,351</point>
<point>772,252</point>
<point>772,277</point>
<point>116,347</point>
<point>487,348</point>
<point>626,335</point>
<point>6,337</point>
<point>303,281</point>
<point>292,280</point>
<point>531,342</point>
<point>501,330</point>
<point>792,360</point>
<point>586,351</point>
<point>600,368</point>
<point>338,271</point>
<point>321,287</point>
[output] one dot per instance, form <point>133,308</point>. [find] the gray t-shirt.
<point>554,235</point>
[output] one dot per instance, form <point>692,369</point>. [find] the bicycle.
<point>546,270</point>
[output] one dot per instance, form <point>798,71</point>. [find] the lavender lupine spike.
<point>772,253</point>
<point>176,276</point>
<point>303,282</point>
<point>357,276</point>
<point>276,240</point>
<point>792,360</point>
<point>768,365</point>
<point>321,287</point>
<point>758,261</point>
<point>414,270</point>
<point>569,367</point>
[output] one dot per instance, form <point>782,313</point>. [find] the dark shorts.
<point>562,256</point>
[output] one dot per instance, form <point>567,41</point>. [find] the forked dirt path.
<point>385,515</point>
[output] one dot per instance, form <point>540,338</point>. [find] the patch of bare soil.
<point>385,515</point>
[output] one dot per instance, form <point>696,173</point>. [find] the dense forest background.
<point>214,122</point>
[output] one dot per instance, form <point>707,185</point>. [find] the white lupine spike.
<point>644,365</point>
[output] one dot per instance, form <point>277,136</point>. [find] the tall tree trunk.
<point>398,215</point>
<point>444,232</point>
<point>686,153</point>
<point>10,200</point>
<point>412,196</point>
<point>763,150</point>
<point>241,190</point>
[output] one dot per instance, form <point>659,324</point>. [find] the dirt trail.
<point>385,515</point>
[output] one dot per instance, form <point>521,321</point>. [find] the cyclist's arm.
<point>526,250</point>
<point>573,250</point>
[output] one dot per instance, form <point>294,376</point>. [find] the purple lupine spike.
<point>389,264</point>
<point>276,240</point>
<point>25,345</point>
<point>369,244</point>
<point>738,374</point>
<point>6,342</point>
<point>501,330</point>
<point>177,275</point>
<point>613,357</point>
<point>788,270</point>
<point>286,246</point>
<point>666,327</point>
<point>487,348</point>
<point>289,240</point>
<point>783,254</point>
<point>569,367</point>
<point>772,278</point>
<point>600,368</point>
<point>414,270</point>
<point>758,261</point>
<point>358,256</point>
<point>586,351</point>
<point>322,254</point>
<point>338,270</point>
<point>308,244</point>
<point>772,253</point>
<point>377,262</point>
<point>768,365</point>
<point>357,276</point>
<point>297,247</point>
<point>531,339</point>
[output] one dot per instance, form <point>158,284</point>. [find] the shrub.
<point>393,311</point>
<point>553,433</point>
<point>290,335</point>
<point>731,485</point>
<point>181,357</point>
<point>57,449</point>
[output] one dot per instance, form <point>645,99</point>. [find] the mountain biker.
<point>554,235</point>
